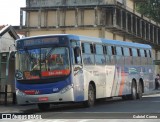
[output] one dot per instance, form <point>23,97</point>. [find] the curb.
<point>152,92</point>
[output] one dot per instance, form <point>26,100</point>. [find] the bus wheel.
<point>43,106</point>
<point>134,91</point>
<point>91,96</point>
<point>139,94</point>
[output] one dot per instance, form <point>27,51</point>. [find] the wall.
<point>5,42</point>
<point>130,4</point>
<point>44,3</point>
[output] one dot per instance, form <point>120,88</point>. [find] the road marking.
<point>85,120</point>
<point>152,95</point>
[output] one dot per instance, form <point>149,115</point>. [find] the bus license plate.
<point>43,98</point>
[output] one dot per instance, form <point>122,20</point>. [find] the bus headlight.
<point>19,74</point>
<point>67,88</point>
<point>18,92</point>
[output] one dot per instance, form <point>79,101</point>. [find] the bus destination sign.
<point>41,41</point>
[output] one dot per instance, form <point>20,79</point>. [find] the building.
<point>112,19</point>
<point>7,63</point>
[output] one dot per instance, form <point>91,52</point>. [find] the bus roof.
<point>95,40</point>
<point>110,42</point>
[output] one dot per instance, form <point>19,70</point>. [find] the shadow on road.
<point>73,106</point>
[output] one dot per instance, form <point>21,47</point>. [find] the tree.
<point>149,8</point>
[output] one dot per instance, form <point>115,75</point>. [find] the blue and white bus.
<point>70,68</point>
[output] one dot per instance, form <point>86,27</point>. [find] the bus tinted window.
<point>99,49</point>
<point>145,53</point>
<point>92,47</point>
<point>134,52</point>
<point>104,49</point>
<point>82,47</point>
<point>130,51</point>
<point>109,50</point>
<point>149,53</point>
<point>126,51</point>
<point>122,51</point>
<point>99,56</point>
<point>138,52</point>
<point>119,51</point>
<point>142,53</point>
<point>113,50</point>
<point>87,48</point>
<point>88,57</point>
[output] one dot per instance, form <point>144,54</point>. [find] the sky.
<point>10,11</point>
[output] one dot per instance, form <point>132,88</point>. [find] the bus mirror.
<point>77,51</point>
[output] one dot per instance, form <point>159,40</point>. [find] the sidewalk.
<point>157,91</point>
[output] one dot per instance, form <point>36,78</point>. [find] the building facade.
<point>111,19</point>
<point>8,36</point>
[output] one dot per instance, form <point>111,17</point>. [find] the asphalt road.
<point>147,108</point>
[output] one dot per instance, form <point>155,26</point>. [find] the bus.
<point>66,68</point>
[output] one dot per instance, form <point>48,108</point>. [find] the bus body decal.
<point>122,82</point>
<point>110,76</point>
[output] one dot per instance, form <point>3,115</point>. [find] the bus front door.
<point>78,77</point>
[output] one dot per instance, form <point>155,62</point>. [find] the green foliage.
<point>149,8</point>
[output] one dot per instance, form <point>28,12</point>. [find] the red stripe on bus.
<point>122,83</point>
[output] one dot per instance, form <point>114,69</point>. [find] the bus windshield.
<point>43,62</point>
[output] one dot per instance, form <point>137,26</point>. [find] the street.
<point>117,108</point>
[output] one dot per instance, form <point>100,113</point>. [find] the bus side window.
<point>119,57</point>
<point>142,53</point>
<point>82,47</point>
<point>138,52</point>
<point>149,53</point>
<point>109,50</point>
<point>113,50</point>
<point>134,52</point>
<point>122,51</point>
<point>119,51</point>
<point>77,55</point>
<point>88,53</point>
<point>145,53</point>
<point>126,51</point>
<point>92,48</point>
<point>104,50</point>
<point>99,56</point>
<point>130,51</point>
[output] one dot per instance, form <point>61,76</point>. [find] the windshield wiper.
<point>49,54</point>
<point>29,56</point>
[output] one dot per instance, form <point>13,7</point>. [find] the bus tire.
<point>43,106</point>
<point>91,96</point>
<point>133,91</point>
<point>140,91</point>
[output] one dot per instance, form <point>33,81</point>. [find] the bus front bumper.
<point>22,98</point>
